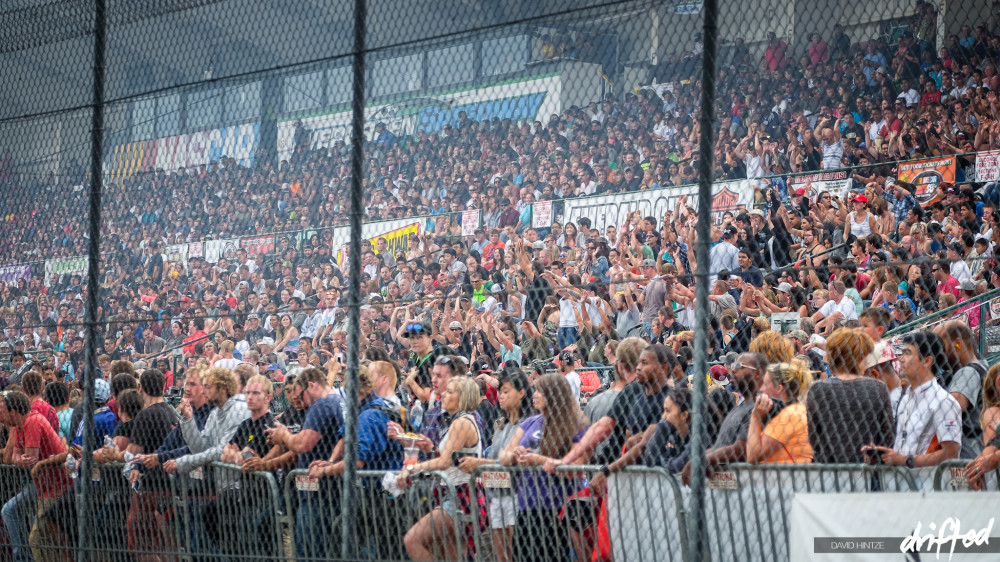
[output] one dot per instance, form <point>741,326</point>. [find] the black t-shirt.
<point>149,428</point>
<point>124,429</point>
<point>292,418</point>
<point>250,433</point>
<point>633,411</point>
<point>426,363</point>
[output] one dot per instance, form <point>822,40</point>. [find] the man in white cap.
<point>266,346</point>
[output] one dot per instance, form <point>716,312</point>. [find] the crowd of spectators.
<point>483,350</point>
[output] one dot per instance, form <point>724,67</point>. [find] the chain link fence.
<point>498,281</point>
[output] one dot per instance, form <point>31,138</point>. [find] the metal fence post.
<point>696,522</point>
<point>93,275</point>
<point>347,521</point>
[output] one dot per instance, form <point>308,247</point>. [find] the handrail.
<point>909,326</point>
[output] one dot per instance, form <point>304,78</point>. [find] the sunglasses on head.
<point>443,360</point>
<point>415,328</point>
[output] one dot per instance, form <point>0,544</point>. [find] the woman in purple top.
<point>538,533</point>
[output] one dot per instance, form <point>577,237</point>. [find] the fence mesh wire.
<point>528,317</point>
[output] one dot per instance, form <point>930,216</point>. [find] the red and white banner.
<point>470,222</point>
<point>988,166</point>
<point>541,214</point>
<point>258,245</point>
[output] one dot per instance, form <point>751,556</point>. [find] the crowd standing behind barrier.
<point>526,367</point>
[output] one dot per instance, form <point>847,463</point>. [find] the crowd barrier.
<point>222,513</point>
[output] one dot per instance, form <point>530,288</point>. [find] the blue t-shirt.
<point>105,423</point>
<point>375,449</point>
<point>326,417</point>
<point>538,490</point>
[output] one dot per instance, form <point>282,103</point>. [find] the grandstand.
<point>529,266</point>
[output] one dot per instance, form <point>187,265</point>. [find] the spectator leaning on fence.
<point>434,533</point>
<point>315,441</point>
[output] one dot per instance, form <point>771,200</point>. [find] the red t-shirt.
<point>950,285</point>
<point>36,433</point>
<point>47,412</point>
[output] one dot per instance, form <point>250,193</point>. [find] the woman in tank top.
<point>436,530</point>
<point>862,221</point>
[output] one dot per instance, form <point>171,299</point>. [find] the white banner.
<point>470,221</point>
<point>988,166</point>
<point>176,252</point>
<point>216,249</point>
<point>541,214</point>
<point>195,250</point>
<point>875,527</point>
<point>837,182</point>
<point>65,266</point>
<point>612,210</point>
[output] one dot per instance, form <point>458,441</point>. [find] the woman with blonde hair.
<point>774,346</point>
<point>990,418</point>
<point>433,536</point>
<point>785,439</point>
<point>848,410</point>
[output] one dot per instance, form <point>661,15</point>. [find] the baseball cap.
<point>496,288</point>
<point>455,325</point>
<point>881,353</point>
<point>538,245</point>
<point>243,285</point>
<point>784,287</point>
<point>421,327</point>
<point>799,335</point>
<point>567,356</point>
<point>102,390</point>
<point>253,316</point>
<point>266,341</point>
<point>800,191</point>
<point>719,374</point>
<point>968,285</point>
<point>648,263</point>
<point>861,198</point>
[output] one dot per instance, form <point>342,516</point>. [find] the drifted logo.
<point>948,533</point>
<point>725,200</point>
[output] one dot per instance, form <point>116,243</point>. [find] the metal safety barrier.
<point>228,513</point>
<point>528,512</point>
<point>741,497</point>
<point>646,515</point>
<point>949,476</point>
<point>384,520</point>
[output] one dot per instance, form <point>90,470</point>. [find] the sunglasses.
<point>456,329</point>
<point>416,328</point>
<point>443,360</point>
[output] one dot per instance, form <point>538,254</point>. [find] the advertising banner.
<point>65,266</point>
<point>217,249</point>
<point>531,99</point>
<point>258,245</point>
<point>988,166</point>
<point>613,209</point>
<point>397,239</point>
<point>836,182</point>
<point>865,526</point>
<point>926,175</point>
<point>238,142</point>
<point>11,273</point>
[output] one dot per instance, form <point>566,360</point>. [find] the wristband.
<point>606,470</point>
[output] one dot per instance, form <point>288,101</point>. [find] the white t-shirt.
<point>845,307</point>
<point>832,154</point>
<point>227,363</point>
<point>574,382</point>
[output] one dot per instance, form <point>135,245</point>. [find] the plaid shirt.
<point>900,207</point>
